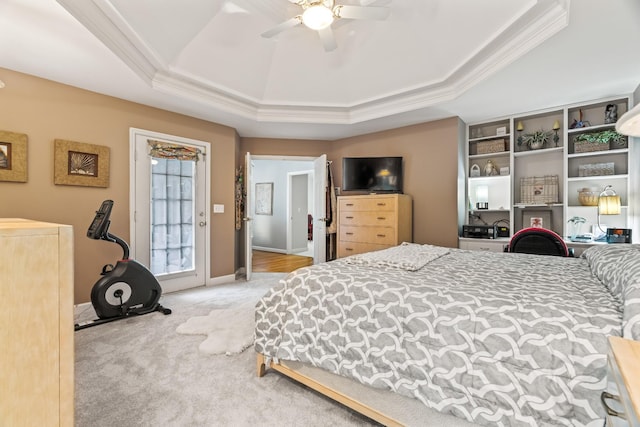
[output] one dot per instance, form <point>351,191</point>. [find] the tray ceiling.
<point>427,60</point>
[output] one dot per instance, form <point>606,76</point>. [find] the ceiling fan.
<point>320,14</point>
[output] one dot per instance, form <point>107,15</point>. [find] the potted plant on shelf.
<point>536,140</point>
<point>603,138</point>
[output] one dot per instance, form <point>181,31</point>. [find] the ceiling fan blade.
<point>328,40</point>
<point>361,12</point>
<point>289,23</point>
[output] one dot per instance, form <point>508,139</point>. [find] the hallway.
<point>273,262</point>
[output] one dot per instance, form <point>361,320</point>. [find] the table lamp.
<point>608,204</point>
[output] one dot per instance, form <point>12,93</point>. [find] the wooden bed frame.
<point>386,407</point>
<point>349,401</point>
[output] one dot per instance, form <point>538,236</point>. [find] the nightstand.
<point>623,406</point>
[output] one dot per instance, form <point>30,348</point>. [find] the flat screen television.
<point>372,174</point>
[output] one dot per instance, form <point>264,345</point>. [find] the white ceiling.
<point>429,60</point>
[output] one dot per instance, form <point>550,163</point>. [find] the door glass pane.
<point>172,215</point>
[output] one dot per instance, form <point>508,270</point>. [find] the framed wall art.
<point>79,163</point>
<point>13,156</point>
<point>264,198</point>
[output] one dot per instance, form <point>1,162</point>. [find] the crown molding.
<point>541,21</point>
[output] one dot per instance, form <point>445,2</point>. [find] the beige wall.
<point>430,153</point>
<point>46,111</point>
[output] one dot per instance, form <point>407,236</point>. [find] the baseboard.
<point>260,248</point>
<point>212,281</point>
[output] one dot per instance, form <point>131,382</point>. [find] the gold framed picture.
<point>79,163</point>
<point>13,156</point>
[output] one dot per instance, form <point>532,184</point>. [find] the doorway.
<point>270,232</point>
<point>300,213</point>
<point>169,219</point>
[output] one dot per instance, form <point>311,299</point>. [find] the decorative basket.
<point>588,196</point>
<point>588,147</point>
<point>491,146</point>
<point>596,169</point>
<point>539,189</point>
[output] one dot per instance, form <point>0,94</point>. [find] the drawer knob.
<point>349,204</point>
<point>349,217</point>
<point>349,234</point>
<point>606,395</point>
<point>381,235</point>
<point>382,218</point>
<point>382,204</point>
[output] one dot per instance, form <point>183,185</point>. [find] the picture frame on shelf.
<point>13,156</point>
<point>537,218</point>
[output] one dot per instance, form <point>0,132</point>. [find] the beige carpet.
<point>228,330</point>
<point>141,372</point>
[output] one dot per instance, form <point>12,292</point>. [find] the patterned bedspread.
<point>497,339</point>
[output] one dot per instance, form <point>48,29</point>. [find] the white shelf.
<point>538,152</point>
<point>597,177</point>
<point>558,160</point>
<point>599,153</point>
<point>540,205</point>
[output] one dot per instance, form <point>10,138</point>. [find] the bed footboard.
<point>306,376</point>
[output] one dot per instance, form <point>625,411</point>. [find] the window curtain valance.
<point>165,150</point>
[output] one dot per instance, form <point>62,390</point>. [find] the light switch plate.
<point>218,208</point>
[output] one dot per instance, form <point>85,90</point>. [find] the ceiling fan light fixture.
<point>317,17</point>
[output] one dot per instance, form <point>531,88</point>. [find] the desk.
<point>492,245</point>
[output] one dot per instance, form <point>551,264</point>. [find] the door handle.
<point>202,223</point>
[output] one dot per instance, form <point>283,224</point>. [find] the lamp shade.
<point>608,202</point>
<point>482,194</point>
<point>629,123</point>
<point>609,205</point>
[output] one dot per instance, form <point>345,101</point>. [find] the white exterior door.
<point>169,218</point>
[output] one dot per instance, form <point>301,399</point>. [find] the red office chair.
<point>538,241</point>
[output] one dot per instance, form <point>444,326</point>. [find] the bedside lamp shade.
<point>608,203</point>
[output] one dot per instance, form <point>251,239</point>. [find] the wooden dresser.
<point>36,314</point>
<point>373,222</point>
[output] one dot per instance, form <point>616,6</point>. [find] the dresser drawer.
<point>367,204</point>
<point>362,218</point>
<point>354,248</point>
<point>378,235</point>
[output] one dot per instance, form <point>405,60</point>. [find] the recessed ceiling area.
<point>427,60</point>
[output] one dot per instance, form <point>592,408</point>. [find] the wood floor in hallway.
<point>272,262</point>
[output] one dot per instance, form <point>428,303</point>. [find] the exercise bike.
<point>125,290</point>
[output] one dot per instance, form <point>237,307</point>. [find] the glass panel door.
<point>172,216</point>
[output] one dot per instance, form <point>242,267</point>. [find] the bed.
<point>492,338</point>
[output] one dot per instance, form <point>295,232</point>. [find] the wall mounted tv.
<point>372,174</point>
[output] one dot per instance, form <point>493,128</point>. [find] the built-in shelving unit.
<point>518,182</point>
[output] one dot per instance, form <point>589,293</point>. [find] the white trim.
<point>221,280</point>
<point>133,133</point>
